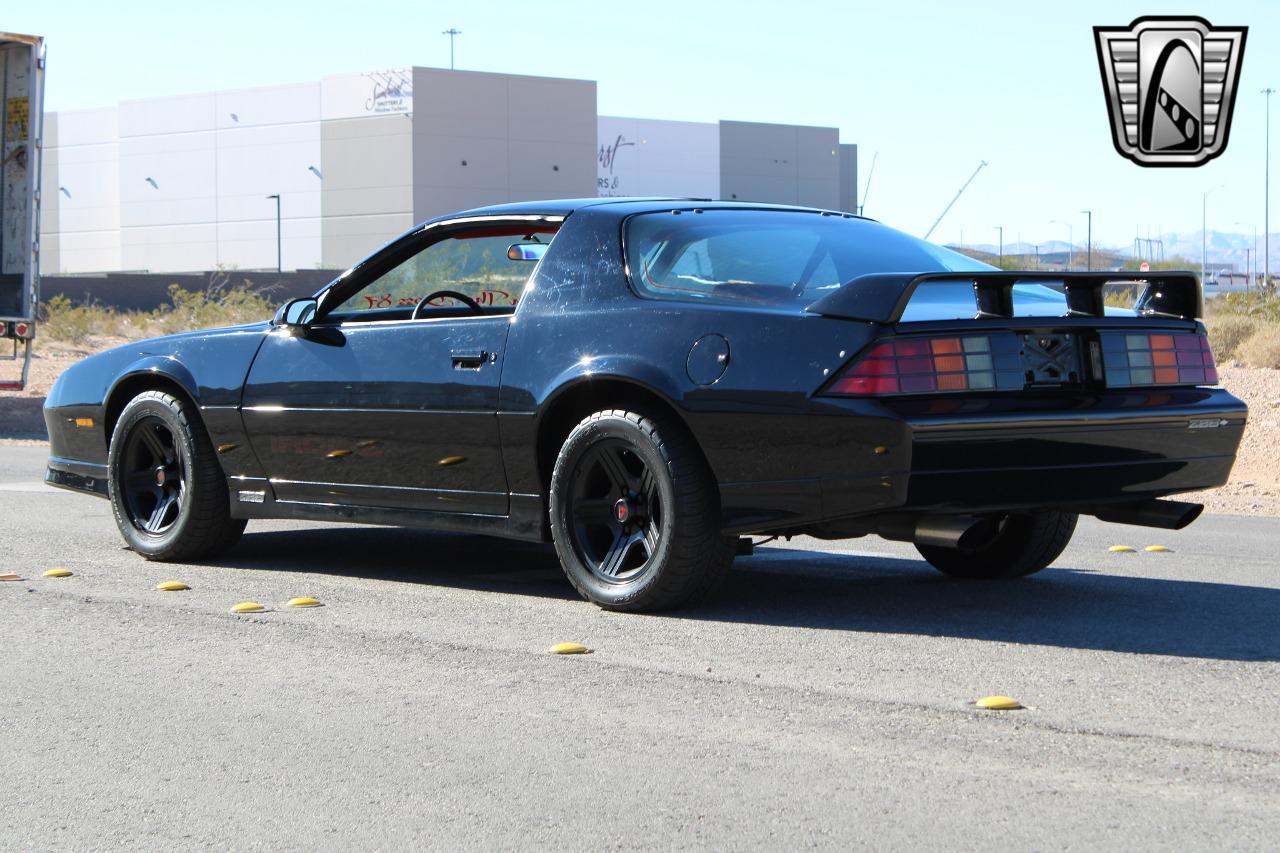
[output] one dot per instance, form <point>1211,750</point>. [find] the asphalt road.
<point>825,700</point>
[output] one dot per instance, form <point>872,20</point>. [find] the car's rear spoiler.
<point>882,297</point>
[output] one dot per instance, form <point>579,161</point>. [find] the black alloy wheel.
<point>153,478</point>
<point>616,513</point>
<point>168,491</point>
<point>635,513</point>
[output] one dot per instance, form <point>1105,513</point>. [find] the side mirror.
<point>527,251</point>
<point>296,313</point>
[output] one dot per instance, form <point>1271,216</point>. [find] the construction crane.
<point>870,174</point>
<point>954,200</point>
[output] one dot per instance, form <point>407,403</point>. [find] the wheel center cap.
<point>622,510</point>
<point>160,477</point>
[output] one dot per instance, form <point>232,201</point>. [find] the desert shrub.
<point>202,309</point>
<point>1120,297</point>
<point>69,322</point>
<point>1262,348</point>
<point>1228,331</point>
<point>1260,305</point>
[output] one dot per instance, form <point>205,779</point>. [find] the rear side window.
<point>768,257</point>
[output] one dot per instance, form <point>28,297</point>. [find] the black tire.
<point>1026,543</point>
<point>168,492</point>
<point>664,549</point>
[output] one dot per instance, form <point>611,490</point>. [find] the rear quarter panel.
<point>759,422</point>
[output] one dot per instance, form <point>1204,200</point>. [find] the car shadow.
<point>406,556</point>
<point>1066,607</point>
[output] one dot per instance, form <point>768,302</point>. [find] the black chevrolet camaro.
<point>646,382</point>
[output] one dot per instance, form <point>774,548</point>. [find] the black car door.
<point>384,404</point>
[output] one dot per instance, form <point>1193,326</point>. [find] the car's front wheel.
<point>167,490</point>
<point>1024,544</point>
<point>635,513</point>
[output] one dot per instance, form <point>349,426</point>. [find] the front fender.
<point>154,366</point>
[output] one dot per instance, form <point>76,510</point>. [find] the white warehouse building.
<point>188,183</point>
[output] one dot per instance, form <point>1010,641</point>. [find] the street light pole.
<point>1266,205</point>
<point>279,253</point>
<point>1089,241</point>
<point>451,33</point>
<point>1000,229</point>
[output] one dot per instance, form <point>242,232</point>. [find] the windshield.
<point>772,257</point>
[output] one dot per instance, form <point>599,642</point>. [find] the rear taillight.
<point>1136,359</point>
<point>926,365</point>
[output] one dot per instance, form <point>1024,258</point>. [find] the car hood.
<point>211,364</point>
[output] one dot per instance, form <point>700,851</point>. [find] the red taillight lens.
<point>920,366</point>
<point>1134,360</point>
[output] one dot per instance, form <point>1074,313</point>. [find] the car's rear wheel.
<point>635,514</point>
<point>167,490</point>
<point>1025,544</point>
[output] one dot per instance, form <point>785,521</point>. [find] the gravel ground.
<point>1254,488</point>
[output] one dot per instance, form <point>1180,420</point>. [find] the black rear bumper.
<point>972,456</point>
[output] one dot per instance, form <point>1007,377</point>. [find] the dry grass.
<point>1262,348</point>
<point>1228,332</point>
<point>65,321</point>
<point>1245,327</point>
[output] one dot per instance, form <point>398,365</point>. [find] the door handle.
<point>469,360</point>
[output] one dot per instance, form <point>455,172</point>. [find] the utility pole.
<point>959,193</point>
<point>1088,264</point>
<point>279,253</point>
<point>1251,260</point>
<point>1266,207</point>
<point>451,33</point>
<point>1000,229</point>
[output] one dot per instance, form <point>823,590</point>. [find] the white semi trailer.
<point>21,126</point>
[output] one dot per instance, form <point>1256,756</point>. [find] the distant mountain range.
<point>1223,248</point>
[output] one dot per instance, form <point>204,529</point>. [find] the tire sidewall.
<point>168,410</point>
<point>602,427</point>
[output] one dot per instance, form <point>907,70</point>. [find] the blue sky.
<point>934,87</point>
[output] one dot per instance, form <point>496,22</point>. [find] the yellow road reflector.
<point>304,601</point>
<point>998,703</point>
<point>570,649</point>
<point>1157,549</point>
<point>337,454</point>
<point>58,573</point>
<point>451,460</point>
<point>172,586</point>
<point>10,576</point>
<point>248,607</point>
<point>1121,549</point>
